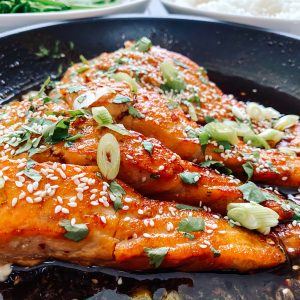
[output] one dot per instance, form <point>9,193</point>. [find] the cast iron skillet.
<point>248,63</point>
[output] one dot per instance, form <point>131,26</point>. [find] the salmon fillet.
<point>116,233</point>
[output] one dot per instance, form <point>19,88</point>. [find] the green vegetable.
<point>191,224</point>
<point>173,80</point>
<point>121,99</point>
<point>148,146</point>
<point>248,168</point>
<point>256,141</point>
<point>253,216</point>
<point>156,255</point>
<point>216,165</point>
<point>116,194</point>
<point>190,177</point>
<point>221,132</point>
<point>209,119</point>
<point>57,132</point>
<point>30,173</point>
<point>252,192</point>
<point>286,122</point>
<point>192,111</point>
<point>76,232</point>
<point>135,113</point>
<point>75,88</point>
<point>186,207</point>
<point>215,252</point>
<point>102,116</point>
<point>120,76</point>
<point>143,44</point>
<point>272,135</point>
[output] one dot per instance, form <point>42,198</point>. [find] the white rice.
<point>281,9</point>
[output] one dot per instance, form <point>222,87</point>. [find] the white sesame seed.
<point>65,210</point>
<point>29,200</point>
<point>57,209</point>
<point>140,212</point>
<point>103,219</point>
<point>14,202</point>
<point>146,235</point>
<point>19,184</point>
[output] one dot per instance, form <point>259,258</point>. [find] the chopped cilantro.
<point>191,224</point>
<point>216,165</point>
<point>156,255</point>
<point>248,168</point>
<point>190,177</point>
<point>76,232</point>
<point>186,207</point>
<point>117,192</point>
<point>135,113</point>
<point>252,192</point>
<point>215,252</point>
<point>119,99</point>
<point>75,88</point>
<point>148,146</point>
<point>209,119</point>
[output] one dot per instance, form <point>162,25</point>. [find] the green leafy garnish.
<point>195,99</point>
<point>30,173</point>
<point>189,177</point>
<point>143,44</point>
<point>83,59</point>
<point>248,168</point>
<point>191,224</point>
<point>76,232</point>
<point>156,255</point>
<point>148,146</point>
<point>209,119</point>
<point>216,165</point>
<point>75,88</point>
<point>252,192</point>
<point>187,207</point>
<point>57,132</point>
<point>215,252</point>
<point>121,99</point>
<point>135,113</point>
<point>116,194</point>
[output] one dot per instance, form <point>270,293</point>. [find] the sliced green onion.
<point>289,150</point>
<point>221,133</point>
<point>88,98</point>
<point>272,135</point>
<point>192,111</point>
<point>286,122</point>
<point>239,113</point>
<point>270,113</point>
<point>256,141</point>
<point>2,182</point>
<point>255,111</point>
<point>108,156</point>
<point>241,129</point>
<point>102,116</point>
<point>253,216</point>
<point>120,76</point>
<point>143,44</point>
<point>171,76</point>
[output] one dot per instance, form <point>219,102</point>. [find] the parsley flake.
<point>191,224</point>
<point>116,194</point>
<point>248,168</point>
<point>121,99</point>
<point>190,177</point>
<point>76,232</point>
<point>135,113</point>
<point>148,146</point>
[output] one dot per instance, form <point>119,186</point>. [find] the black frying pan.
<point>250,64</point>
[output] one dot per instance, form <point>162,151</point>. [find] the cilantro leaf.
<point>156,255</point>
<point>116,194</point>
<point>248,168</point>
<point>187,207</point>
<point>76,232</point>
<point>119,99</point>
<point>30,173</point>
<point>216,165</point>
<point>215,252</point>
<point>191,224</point>
<point>190,177</point>
<point>209,119</point>
<point>57,132</point>
<point>75,88</point>
<point>148,146</point>
<point>251,192</point>
<point>135,113</point>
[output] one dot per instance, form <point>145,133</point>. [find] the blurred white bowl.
<point>12,21</point>
<point>283,25</point>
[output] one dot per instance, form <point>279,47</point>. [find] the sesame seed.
<point>14,202</point>
<point>146,235</point>
<point>103,219</point>
<point>57,209</point>
<point>65,210</point>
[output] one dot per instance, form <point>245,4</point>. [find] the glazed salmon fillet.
<point>157,174</point>
<point>206,98</point>
<point>114,226</point>
<point>179,133</point>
